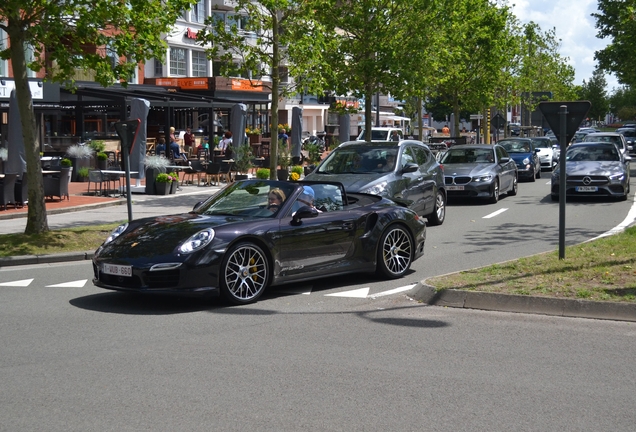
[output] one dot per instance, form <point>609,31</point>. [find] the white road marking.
<point>359,293</point>
<point>629,219</point>
<point>20,283</point>
<point>393,291</point>
<point>498,212</point>
<point>74,284</point>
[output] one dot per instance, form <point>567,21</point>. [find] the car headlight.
<point>526,161</point>
<point>377,189</point>
<point>116,233</point>
<point>197,241</point>
<point>617,178</point>
<point>482,178</point>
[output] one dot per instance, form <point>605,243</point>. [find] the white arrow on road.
<point>74,284</point>
<point>20,283</point>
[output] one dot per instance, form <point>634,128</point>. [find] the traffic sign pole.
<point>563,114</point>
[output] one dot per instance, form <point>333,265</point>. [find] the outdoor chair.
<point>213,171</point>
<point>195,169</point>
<point>97,178</point>
<point>226,171</point>
<point>57,186</point>
<point>7,190</point>
<point>22,190</point>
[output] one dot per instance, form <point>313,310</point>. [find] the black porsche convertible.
<point>256,233</point>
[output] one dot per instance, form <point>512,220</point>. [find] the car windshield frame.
<point>593,153</point>
<point>516,146</point>
<point>465,155</point>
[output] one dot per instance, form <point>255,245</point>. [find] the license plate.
<point>455,187</point>
<point>117,270</point>
<point>586,189</point>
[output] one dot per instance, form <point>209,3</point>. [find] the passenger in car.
<point>275,199</point>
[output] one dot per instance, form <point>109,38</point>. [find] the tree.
<point>623,103</point>
<point>367,53</point>
<point>594,91</point>
<point>615,21</point>
<point>67,35</point>
<point>266,38</point>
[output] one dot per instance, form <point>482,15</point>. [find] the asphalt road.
<point>340,354</point>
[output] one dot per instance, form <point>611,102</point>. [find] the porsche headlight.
<point>377,189</point>
<point>197,241</point>
<point>482,178</point>
<point>617,178</point>
<point>116,232</point>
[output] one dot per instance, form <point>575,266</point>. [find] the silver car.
<point>593,169</point>
<point>404,171</point>
<point>548,154</point>
<point>479,171</point>
<point>613,137</point>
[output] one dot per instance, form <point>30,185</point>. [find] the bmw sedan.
<point>593,169</point>
<point>479,171</point>
<point>404,171</point>
<point>525,155</point>
<point>548,154</point>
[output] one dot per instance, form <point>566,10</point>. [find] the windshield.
<point>542,143</point>
<point>253,198</point>
<point>603,153</point>
<point>604,138</point>
<point>359,160</point>
<point>516,146</point>
<point>478,155</point>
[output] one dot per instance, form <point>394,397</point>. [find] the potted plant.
<point>102,161</point>
<point>98,146</point>
<point>262,173</point>
<point>163,183</point>
<point>66,163</point>
<point>254,135</point>
<point>154,166</point>
<point>313,156</point>
<point>174,184</point>
<point>296,172</point>
<point>80,156</point>
<point>82,174</point>
<point>284,160</point>
<point>243,161</point>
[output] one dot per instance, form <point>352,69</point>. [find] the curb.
<point>66,209</point>
<point>524,304</point>
<point>45,259</point>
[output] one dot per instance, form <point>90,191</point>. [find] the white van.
<point>381,134</point>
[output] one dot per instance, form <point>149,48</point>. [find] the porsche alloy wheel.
<point>245,273</point>
<point>395,252</point>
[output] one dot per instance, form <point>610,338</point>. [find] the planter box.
<point>255,139</point>
<point>151,175</point>
<point>77,164</point>
<point>173,187</point>
<point>282,174</point>
<point>162,188</point>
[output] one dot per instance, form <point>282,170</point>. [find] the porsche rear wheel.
<point>245,273</point>
<point>395,253</point>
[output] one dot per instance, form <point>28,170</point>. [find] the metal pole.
<point>128,197</point>
<point>563,112</point>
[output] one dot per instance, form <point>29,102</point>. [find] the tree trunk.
<point>273,146</point>
<point>36,216</point>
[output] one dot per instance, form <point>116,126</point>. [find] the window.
<point>29,57</point>
<point>218,19</point>
<point>198,12</point>
<point>406,158</point>
<point>3,45</point>
<point>158,68</point>
<point>421,156</point>
<point>112,55</point>
<point>178,62</point>
<point>199,64</point>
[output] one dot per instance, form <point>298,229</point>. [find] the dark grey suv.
<point>404,171</point>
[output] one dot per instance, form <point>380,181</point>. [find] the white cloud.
<point>574,25</point>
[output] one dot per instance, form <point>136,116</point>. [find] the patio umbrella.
<point>237,124</point>
<point>16,162</point>
<point>345,124</point>
<point>139,110</point>
<point>296,131</point>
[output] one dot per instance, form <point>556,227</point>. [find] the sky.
<point>574,25</point>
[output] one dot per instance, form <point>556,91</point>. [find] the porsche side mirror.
<point>304,212</point>
<point>197,205</point>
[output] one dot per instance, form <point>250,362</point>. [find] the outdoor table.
<point>120,173</point>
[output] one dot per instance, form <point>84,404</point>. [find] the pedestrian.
<point>283,136</point>
<point>445,130</point>
<point>188,141</point>
<point>226,145</point>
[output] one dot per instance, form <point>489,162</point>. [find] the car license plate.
<point>117,270</point>
<point>586,189</point>
<point>455,187</point>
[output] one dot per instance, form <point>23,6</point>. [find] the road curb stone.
<point>524,304</point>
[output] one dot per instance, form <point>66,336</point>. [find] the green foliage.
<point>615,21</point>
<point>284,157</point>
<point>66,163</point>
<point>623,103</point>
<point>83,172</point>
<point>163,178</point>
<point>243,159</point>
<point>102,156</point>
<point>594,91</point>
<point>98,146</point>
<point>297,169</point>
<point>313,153</point>
<point>262,173</point>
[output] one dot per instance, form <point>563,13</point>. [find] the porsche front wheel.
<point>395,252</point>
<point>244,273</point>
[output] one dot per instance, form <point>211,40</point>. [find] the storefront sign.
<point>245,85</point>
<point>184,83</point>
<point>37,92</point>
